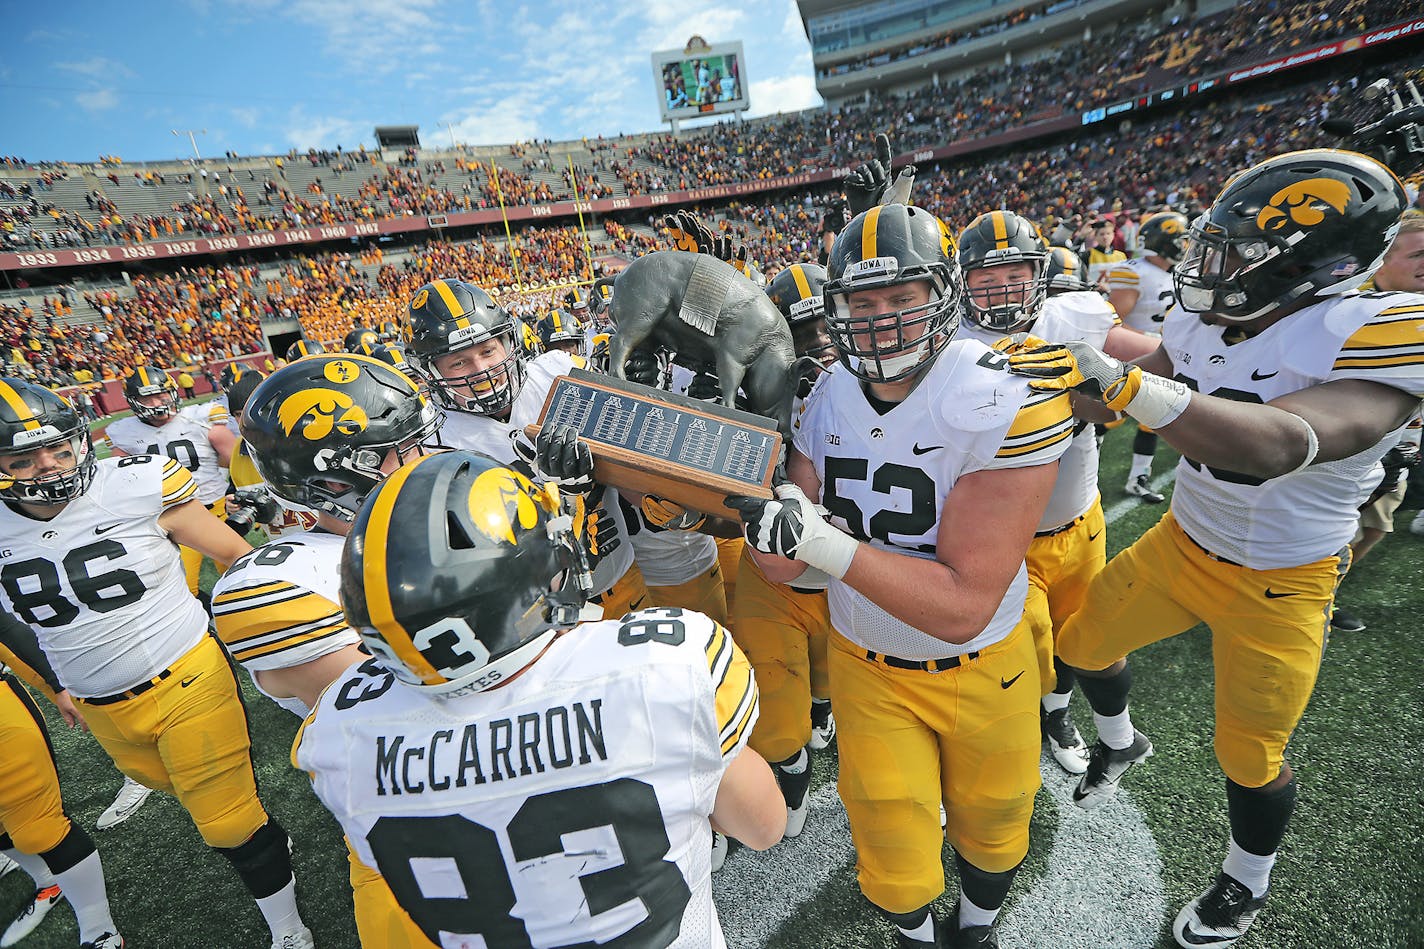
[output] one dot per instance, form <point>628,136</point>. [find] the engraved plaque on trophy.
<point>654,442</point>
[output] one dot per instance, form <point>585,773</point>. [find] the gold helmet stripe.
<point>378,593</point>
<point>1001,229</point>
<point>868,235</point>
<point>22,410</point>
<point>803,287</point>
<point>142,376</point>
<point>451,304</point>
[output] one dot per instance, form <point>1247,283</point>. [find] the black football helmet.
<point>303,348</point>
<point>241,390</point>
<point>319,429</point>
<point>388,331</point>
<point>1164,234</point>
<point>459,571</point>
<point>447,316</point>
<point>1066,273</point>
<point>149,381</point>
<point>1003,237</point>
<point>799,293</point>
<point>393,354</point>
<point>558,326</point>
<point>1309,223</point>
<point>599,351</point>
<point>235,371</point>
<point>886,246</point>
<point>357,338</point>
<point>32,417</point>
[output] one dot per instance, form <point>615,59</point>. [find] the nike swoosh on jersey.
<point>916,449</point>
<point>1273,595</point>
<point>1258,375</point>
<point>105,530</point>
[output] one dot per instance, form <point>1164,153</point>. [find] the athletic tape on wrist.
<point>1158,401</point>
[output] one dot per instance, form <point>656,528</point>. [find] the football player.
<point>467,348</point>
<point>195,436</point>
<point>559,330</point>
<point>1280,388</point>
<point>914,443</point>
<point>321,433</point>
<point>303,348</point>
<point>563,783</point>
<point>93,570</point>
<point>1141,292</point>
<point>35,831</point>
<point>233,374</point>
<point>358,338</point>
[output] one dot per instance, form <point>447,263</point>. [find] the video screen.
<point>701,84</point>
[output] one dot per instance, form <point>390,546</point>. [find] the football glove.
<point>869,184</point>
<point>561,456</point>
<point>1057,367</point>
<point>643,368</point>
<point>790,526</point>
<point>669,515</point>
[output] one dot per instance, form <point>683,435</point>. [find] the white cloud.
<point>247,117</point>
<point>783,94</point>
<point>325,131</point>
<point>98,67</point>
<point>368,36</point>
<point>99,100</point>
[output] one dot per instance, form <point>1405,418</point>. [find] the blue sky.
<point>79,80</point>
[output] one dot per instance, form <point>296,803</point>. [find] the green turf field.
<point>1351,871</point>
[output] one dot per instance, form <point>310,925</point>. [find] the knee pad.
<point>1107,696</point>
<point>69,852</point>
<point>982,888</point>
<point>263,862</point>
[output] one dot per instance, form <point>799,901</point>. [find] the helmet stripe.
<point>378,594</point>
<point>143,376</point>
<point>451,304</point>
<point>803,287</point>
<point>22,410</point>
<point>868,235</point>
<point>1001,229</point>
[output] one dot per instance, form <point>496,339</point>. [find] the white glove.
<point>790,526</point>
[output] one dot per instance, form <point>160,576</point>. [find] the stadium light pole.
<point>192,140</point>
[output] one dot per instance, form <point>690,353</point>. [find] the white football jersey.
<point>569,806</point>
<point>490,436</point>
<point>884,478</point>
<point>184,438</point>
<point>667,557</point>
<point>101,584</point>
<point>1302,517</point>
<point>279,606</point>
<point>1078,316</point>
<point>1155,294</point>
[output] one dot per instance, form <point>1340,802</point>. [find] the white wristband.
<point>1158,401</point>
<point>1312,446</point>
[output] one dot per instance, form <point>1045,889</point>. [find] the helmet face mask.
<point>1301,225</point>
<point>146,383</point>
<point>1066,273</point>
<point>35,420</point>
<point>459,572</point>
<point>320,430</point>
<point>885,262</point>
<point>799,293</point>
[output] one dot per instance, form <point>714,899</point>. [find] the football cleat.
<point>823,725</point>
<point>795,790</point>
<point>31,916</point>
<point>1065,741</point>
<point>719,850</point>
<point>1141,487</point>
<point>129,799</point>
<point>973,937</point>
<point>1106,766</point>
<point>296,939</point>
<point>1346,622</point>
<point>1218,917</point>
<point>7,865</point>
<point>105,941</point>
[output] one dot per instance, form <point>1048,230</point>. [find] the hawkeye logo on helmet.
<point>419,299</point>
<point>320,411</point>
<point>1304,204</point>
<point>500,499</point>
<point>30,436</point>
<point>873,268</point>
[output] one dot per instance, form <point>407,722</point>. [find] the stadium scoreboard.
<point>700,79</point>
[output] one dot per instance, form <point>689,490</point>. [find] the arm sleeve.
<point>271,625</point>
<point>32,664</point>
<point>178,484</point>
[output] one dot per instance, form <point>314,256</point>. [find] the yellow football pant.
<point>704,594</point>
<point>188,736</point>
<point>910,739</point>
<point>783,634</point>
<point>729,557</point>
<point>1060,567</point>
<point>192,560</point>
<point>31,811</point>
<point>625,596</point>
<point>1266,650</point>
<point>380,922</point>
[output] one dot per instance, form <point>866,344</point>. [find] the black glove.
<point>689,233</point>
<point>704,387</point>
<point>1396,461</point>
<point>865,185</point>
<point>560,455</point>
<point>643,368</point>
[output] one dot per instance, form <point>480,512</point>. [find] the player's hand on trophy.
<point>669,515</point>
<point>789,525</point>
<point>1077,366</point>
<point>561,456</point>
<point>643,368</point>
<point>705,386</point>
